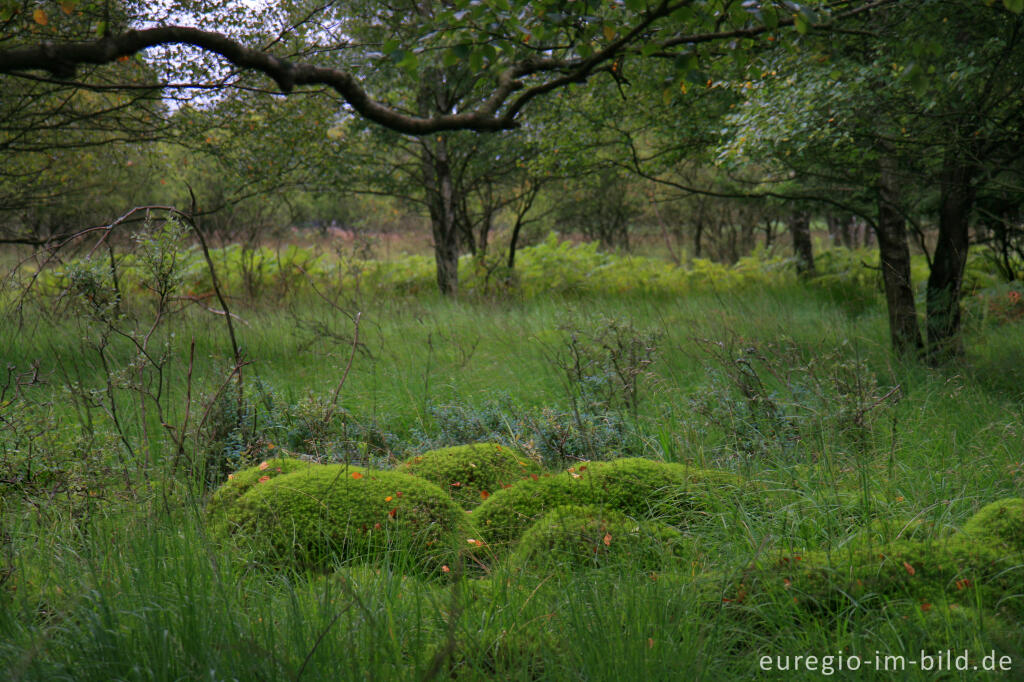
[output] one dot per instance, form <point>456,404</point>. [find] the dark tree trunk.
<point>946,279</point>
<point>440,188</point>
<point>894,254</point>
<point>521,211</point>
<point>800,227</point>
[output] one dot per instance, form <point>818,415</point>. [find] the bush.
<point>471,472</point>
<point>327,513</point>
<point>638,487</point>
<point>576,536</point>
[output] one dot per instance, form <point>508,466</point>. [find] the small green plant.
<point>604,366</point>
<point>782,402</point>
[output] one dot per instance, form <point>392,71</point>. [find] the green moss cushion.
<point>471,472</point>
<point>639,488</point>
<point>242,481</point>
<point>322,514</point>
<point>1000,523</point>
<point>575,536</point>
<point>979,566</point>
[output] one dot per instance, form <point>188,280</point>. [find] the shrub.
<point>638,487</point>
<point>326,513</point>
<point>471,472</point>
<point>576,536</point>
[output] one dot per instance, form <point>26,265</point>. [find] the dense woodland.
<point>728,285</point>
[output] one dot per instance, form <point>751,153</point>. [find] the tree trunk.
<point>440,188</point>
<point>800,227</point>
<point>894,254</point>
<point>946,279</point>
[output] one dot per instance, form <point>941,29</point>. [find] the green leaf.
<point>800,24</point>
<point>771,17</point>
<point>687,61</point>
<point>1015,6</point>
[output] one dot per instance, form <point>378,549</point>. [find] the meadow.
<point>128,403</point>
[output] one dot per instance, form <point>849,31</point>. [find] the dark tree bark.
<point>800,228</point>
<point>440,190</point>
<point>946,279</point>
<point>894,254</point>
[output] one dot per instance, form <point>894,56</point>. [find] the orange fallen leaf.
<point>650,642</point>
<point>910,569</point>
<point>263,479</point>
<point>356,475</point>
<point>264,465</point>
<point>388,498</point>
<point>925,606</point>
<point>484,494</point>
<point>445,569</point>
<point>393,512</point>
<point>607,540</point>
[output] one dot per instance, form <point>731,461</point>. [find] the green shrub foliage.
<point>578,536</point>
<point>638,487</point>
<point>331,513</point>
<point>471,472</point>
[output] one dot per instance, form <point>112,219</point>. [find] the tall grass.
<point>111,576</point>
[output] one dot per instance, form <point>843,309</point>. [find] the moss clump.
<point>957,569</point>
<point>242,481</point>
<point>324,514</point>
<point>640,488</point>
<point>576,536</point>
<point>1000,523</point>
<point>471,472</point>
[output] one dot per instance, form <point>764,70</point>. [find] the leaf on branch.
<point>39,16</point>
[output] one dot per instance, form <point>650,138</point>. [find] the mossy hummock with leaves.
<point>981,565</point>
<point>471,472</point>
<point>323,514</point>
<point>578,536</point>
<point>640,488</point>
<point>240,482</point>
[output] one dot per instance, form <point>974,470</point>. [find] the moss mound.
<point>242,481</point>
<point>322,514</point>
<point>1000,523</point>
<point>471,472</point>
<point>961,569</point>
<point>577,536</point>
<point>640,488</point>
